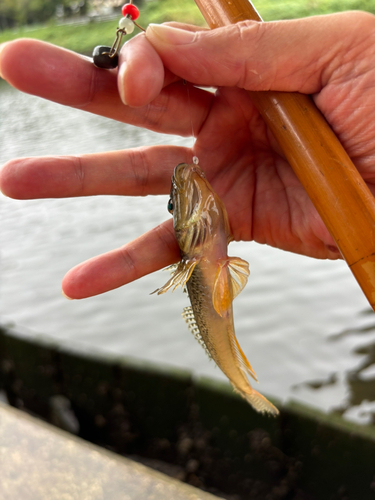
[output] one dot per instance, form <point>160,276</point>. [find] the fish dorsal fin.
<point>181,274</point>
<point>188,315</point>
<point>239,354</point>
<point>230,280</point>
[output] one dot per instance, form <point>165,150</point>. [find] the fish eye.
<point>170,206</point>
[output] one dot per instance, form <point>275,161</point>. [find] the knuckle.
<point>248,31</point>
<point>157,110</point>
<point>79,174</point>
<point>128,257</point>
<point>248,37</point>
<point>140,169</point>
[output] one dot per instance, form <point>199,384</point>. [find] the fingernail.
<point>120,83</point>
<point>174,36</point>
<point>2,46</point>
<point>65,295</point>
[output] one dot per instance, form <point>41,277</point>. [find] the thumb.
<point>294,56</point>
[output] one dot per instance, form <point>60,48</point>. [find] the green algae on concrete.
<point>165,416</point>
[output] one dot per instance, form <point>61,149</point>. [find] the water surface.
<point>303,323</point>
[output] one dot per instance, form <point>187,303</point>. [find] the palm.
<point>264,199</point>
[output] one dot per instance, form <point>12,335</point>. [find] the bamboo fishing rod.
<point>323,167</point>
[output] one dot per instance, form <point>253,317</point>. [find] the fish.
<point>211,278</point>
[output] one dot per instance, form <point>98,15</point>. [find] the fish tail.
<point>257,401</point>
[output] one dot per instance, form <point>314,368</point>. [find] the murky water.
<point>304,323</point>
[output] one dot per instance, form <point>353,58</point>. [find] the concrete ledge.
<point>193,428</point>
<point>41,462</point>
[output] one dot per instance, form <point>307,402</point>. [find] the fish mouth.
<point>183,173</point>
<point>189,187</point>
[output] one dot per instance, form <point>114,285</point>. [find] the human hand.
<point>329,57</point>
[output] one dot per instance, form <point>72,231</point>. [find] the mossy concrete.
<point>211,437</point>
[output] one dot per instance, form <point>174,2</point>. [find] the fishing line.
<point>195,158</point>
<point>107,57</point>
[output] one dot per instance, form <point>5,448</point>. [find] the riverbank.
<point>192,428</point>
<point>83,35</point>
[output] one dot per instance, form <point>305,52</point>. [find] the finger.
<point>141,74</point>
<point>62,76</point>
<point>148,253</point>
<point>292,56</point>
<point>133,172</point>
<point>55,73</point>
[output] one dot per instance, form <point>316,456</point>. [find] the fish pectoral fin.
<point>222,295</point>
<point>230,280</point>
<point>180,276</point>
<point>239,272</point>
